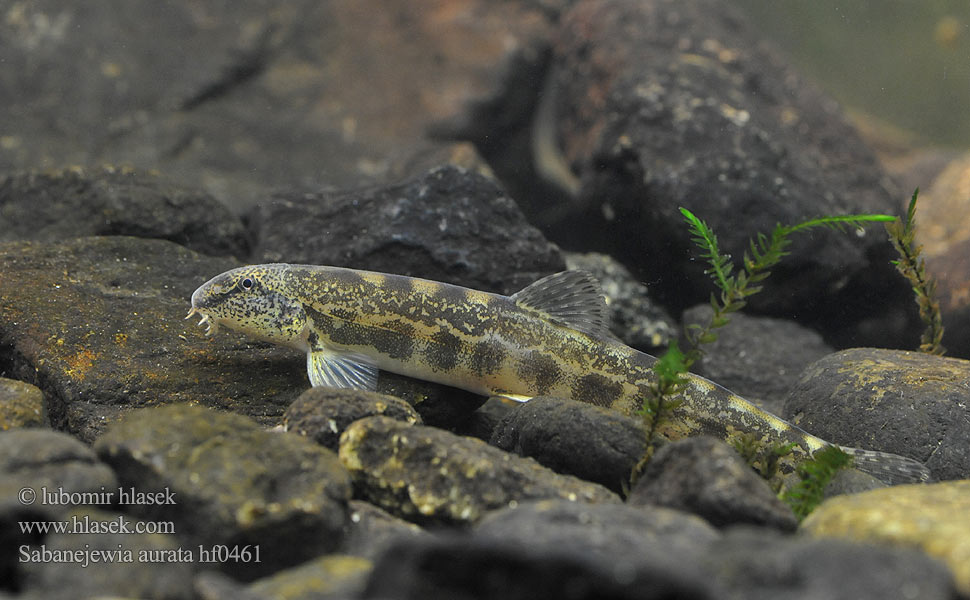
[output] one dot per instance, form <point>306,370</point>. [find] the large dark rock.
<point>589,442</point>
<point>617,535</point>
<point>371,530</point>
<point>42,460</point>
<point>461,568</point>
<point>232,483</point>
<point>761,564</point>
<point>98,324</point>
<point>447,225</point>
<point>55,206</point>
<point>677,103</point>
<point>99,562</point>
<point>907,403</point>
<point>245,100</point>
<point>758,358</point>
<point>706,477</point>
<point>429,475</point>
<point>42,474</point>
<point>322,414</point>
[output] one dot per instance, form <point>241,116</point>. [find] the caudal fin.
<point>891,469</point>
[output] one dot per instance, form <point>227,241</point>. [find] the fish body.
<point>551,338</point>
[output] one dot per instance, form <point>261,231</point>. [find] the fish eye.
<point>247,283</point>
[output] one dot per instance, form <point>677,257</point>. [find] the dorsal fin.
<point>573,299</point>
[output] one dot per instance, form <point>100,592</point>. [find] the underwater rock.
<point>613,534</point>
<point>761,563</point>
<point>331,576</point>
<point>706,477</point>
<point>41,459</point>
<point>322,414</point>
<point>33,464</point>
<point>213,585</point>
<point>52,206</point>
<point>428,475</point>
<point>136,565</point>
<point>481,424</point>
<point>907,403</point>
<point>563,549</point>
<point>851,481</point>
<point>232,483</point>
<point>934,518</point>
<point>371,530</point>
<point>21,405</point>
<point>670,103</point>
<point>477,568</point>
<point>942,226</point>
<point>587,441</point>
<point>100,323</point>
<point>758,358</point>
<point>635,318</point>
<point>447,225</point>
<point>247,101</point>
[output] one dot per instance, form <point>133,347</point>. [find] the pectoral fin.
<point>513,397</point>
<point>329,368</point>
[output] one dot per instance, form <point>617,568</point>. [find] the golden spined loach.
<point>551,338</point>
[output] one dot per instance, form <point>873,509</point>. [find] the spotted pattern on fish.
<point>549,339</point>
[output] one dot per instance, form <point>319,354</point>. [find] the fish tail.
<point>891,469</point>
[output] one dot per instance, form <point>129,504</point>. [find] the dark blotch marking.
<point>344,278</point>
<point>451,295</point>
<point>597,389</point>
<point>443,350</point>
<point>349,334</point>
<point>540,370</point>
<point>394,338</point>
<point>487,357</point>
<point>398,285</point>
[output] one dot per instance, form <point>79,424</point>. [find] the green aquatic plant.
<point>762,457</point>
<point>814,475</point>
<point>913,267</point>
<point>661,398</point>
<point>764,253</point>
<point>734,285</point>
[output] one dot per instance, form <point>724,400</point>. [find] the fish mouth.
<point>204,319</point>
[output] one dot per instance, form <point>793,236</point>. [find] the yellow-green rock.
<point>334,575</point>
<point>934,518</point>
<point>21,404</point>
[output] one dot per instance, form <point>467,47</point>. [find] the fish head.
<point>252,300</point>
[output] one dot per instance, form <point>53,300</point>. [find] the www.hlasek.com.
<point>120,525</point>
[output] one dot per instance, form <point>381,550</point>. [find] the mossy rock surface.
<point>907,403</point>
<point>934,518</point>
<point>425,474</point>
<point>98,323</point>
<point>21,404</point>
<point>330,576</point>
<point>233,483</point>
